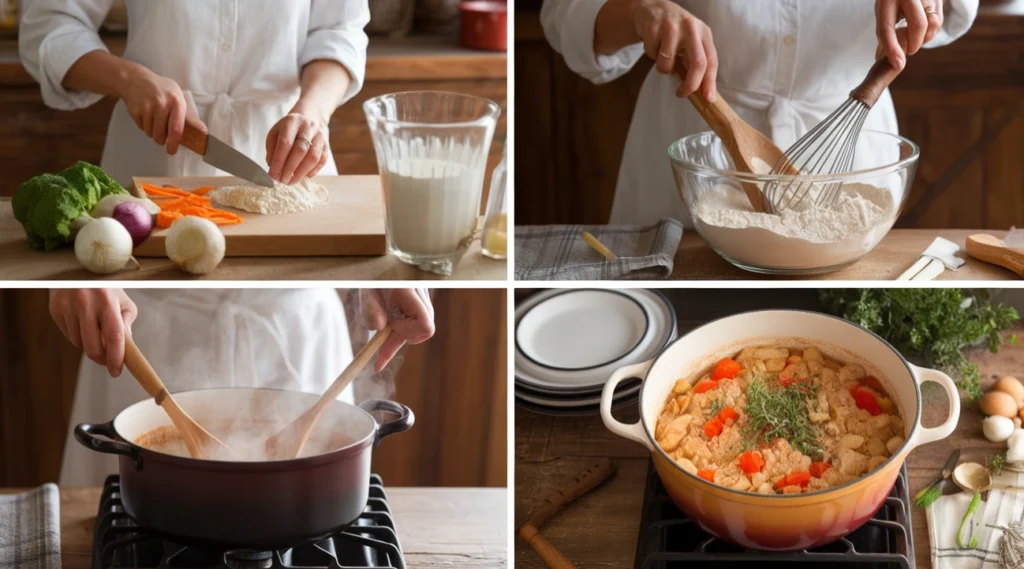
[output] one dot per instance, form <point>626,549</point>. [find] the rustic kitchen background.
<point>455,383</point>
<point>414,45</point>
<point>963,104</point>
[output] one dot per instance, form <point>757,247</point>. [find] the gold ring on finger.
<point>300,139</point>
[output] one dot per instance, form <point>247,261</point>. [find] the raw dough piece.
<point>282,198</point>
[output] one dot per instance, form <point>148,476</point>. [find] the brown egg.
<point>998,403</point>
<point>1011,385</point>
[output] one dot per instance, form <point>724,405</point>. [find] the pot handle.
<point>634,432</point>
<point>85,434</point>
<point>404,422</point>
<point>932,434</point>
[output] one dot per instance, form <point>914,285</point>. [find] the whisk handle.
<point>882,73</point>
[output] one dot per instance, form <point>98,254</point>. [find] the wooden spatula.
<point>992,249</point>
<point>200,442</point>
<point>289,441</point>
<point>742,141</point>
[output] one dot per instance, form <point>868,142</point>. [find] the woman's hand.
<point>297,146</point>
<point>96,320</point>
<point>411,318</point>
<point>157,105</point>
<point>924,19</point>
<point>669,33</point>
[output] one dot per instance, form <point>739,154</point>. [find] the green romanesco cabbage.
<point>51,207</point>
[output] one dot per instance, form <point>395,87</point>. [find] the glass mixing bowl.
<point>800,242</point>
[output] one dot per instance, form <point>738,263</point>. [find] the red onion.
<point>134,217</point>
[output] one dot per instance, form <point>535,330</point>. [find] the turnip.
<point>103,246</point>
<point>195,244</point>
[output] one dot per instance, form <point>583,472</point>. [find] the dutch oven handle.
<point>404,421</point>
<point>636,431</point>
<point>85,434</point>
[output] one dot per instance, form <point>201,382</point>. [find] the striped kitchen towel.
<point>558,252</point>
<point>30,529</point>
<point>999,509</point>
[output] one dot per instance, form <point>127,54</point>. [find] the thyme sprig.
<point>774,412</point>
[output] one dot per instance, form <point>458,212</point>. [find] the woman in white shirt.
<point>783,65</point>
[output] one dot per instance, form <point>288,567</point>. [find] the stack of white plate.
<point>569,342</point>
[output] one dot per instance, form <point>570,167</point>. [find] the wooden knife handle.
<point>580,485</point>
<point>551,556</point>
<point>878,78</point>
<point>194,136</point>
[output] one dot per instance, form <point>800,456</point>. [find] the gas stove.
<point>670,540</point>
<point>370,542</point>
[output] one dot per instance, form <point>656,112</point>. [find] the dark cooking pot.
<point>269,504</point>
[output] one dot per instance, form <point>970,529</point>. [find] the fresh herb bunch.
<point>997,463</point>
<point>937,324</point>
<point>776,412</point>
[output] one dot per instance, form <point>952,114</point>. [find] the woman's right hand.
<point>157,105</point>
<point>96,320</point>
<point>669,32</point>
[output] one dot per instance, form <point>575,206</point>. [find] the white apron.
<point>294,339</point>
<point>784,65</point>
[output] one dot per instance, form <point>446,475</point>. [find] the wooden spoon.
<point>582,483</point>
<point>742,141</point>
<point>289,441</point>
<point>991,249</point>
<point>199,441</point>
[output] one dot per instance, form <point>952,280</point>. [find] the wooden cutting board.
<point>350,223</point>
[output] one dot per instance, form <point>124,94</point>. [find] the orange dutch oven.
<point>779,522</point>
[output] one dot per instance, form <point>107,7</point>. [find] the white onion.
<point>195,244</point>
<point>103,246</point>
<point>997,428</point>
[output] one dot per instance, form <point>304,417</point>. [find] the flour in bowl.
<point>810,237</point>
<point>282,198</point>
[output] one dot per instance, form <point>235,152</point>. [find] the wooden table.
<point>20,262</point>
<point>600,529</point>
<point>695,260</point>
<point>438,527</point>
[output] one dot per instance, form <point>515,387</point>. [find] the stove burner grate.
<point>670,540</point>
<point>371,542</point>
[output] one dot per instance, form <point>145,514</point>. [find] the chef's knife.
<point>218,154</point>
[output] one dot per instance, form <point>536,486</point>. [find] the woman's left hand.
<point>924,18</point>
<point>414,326</point>
<point>297,146</point>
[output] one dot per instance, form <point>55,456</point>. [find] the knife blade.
<point>223,156</point>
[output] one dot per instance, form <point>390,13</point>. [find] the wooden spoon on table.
<point>992,249</point>
<point>199,441</point>
<point>742,141</point>
<point>289,441</point>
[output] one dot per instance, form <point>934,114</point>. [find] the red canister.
<point>484,25</point>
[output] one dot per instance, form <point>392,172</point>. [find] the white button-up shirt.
<point>783,66</point>
<point>238,62</point>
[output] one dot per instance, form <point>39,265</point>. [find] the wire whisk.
<point>828,149</point>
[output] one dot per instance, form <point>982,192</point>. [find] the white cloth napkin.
<point>30,529</point>
<point>944,518</point>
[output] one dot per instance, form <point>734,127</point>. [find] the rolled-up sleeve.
<point>52,36</point>
<point>569,28</point>
<point>958,18</point>
<point>336,32</point>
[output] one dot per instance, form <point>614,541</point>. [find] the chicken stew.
<point>777,420</point>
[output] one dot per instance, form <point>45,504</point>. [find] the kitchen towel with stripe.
<point>30,529</point>
<point>1000,509</point>
<point>558,252</point>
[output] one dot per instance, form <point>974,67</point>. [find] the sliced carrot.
<point>818,468</point>
<point>713,428</point>
<point>706,385</point>
<point>751,462</point>
<point>727,368</point>
<point>706,474</point>
<point>203,190</point>
<point>727,413</point>
<point>176,203</point>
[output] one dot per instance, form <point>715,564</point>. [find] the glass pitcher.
<point>432,155</point>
